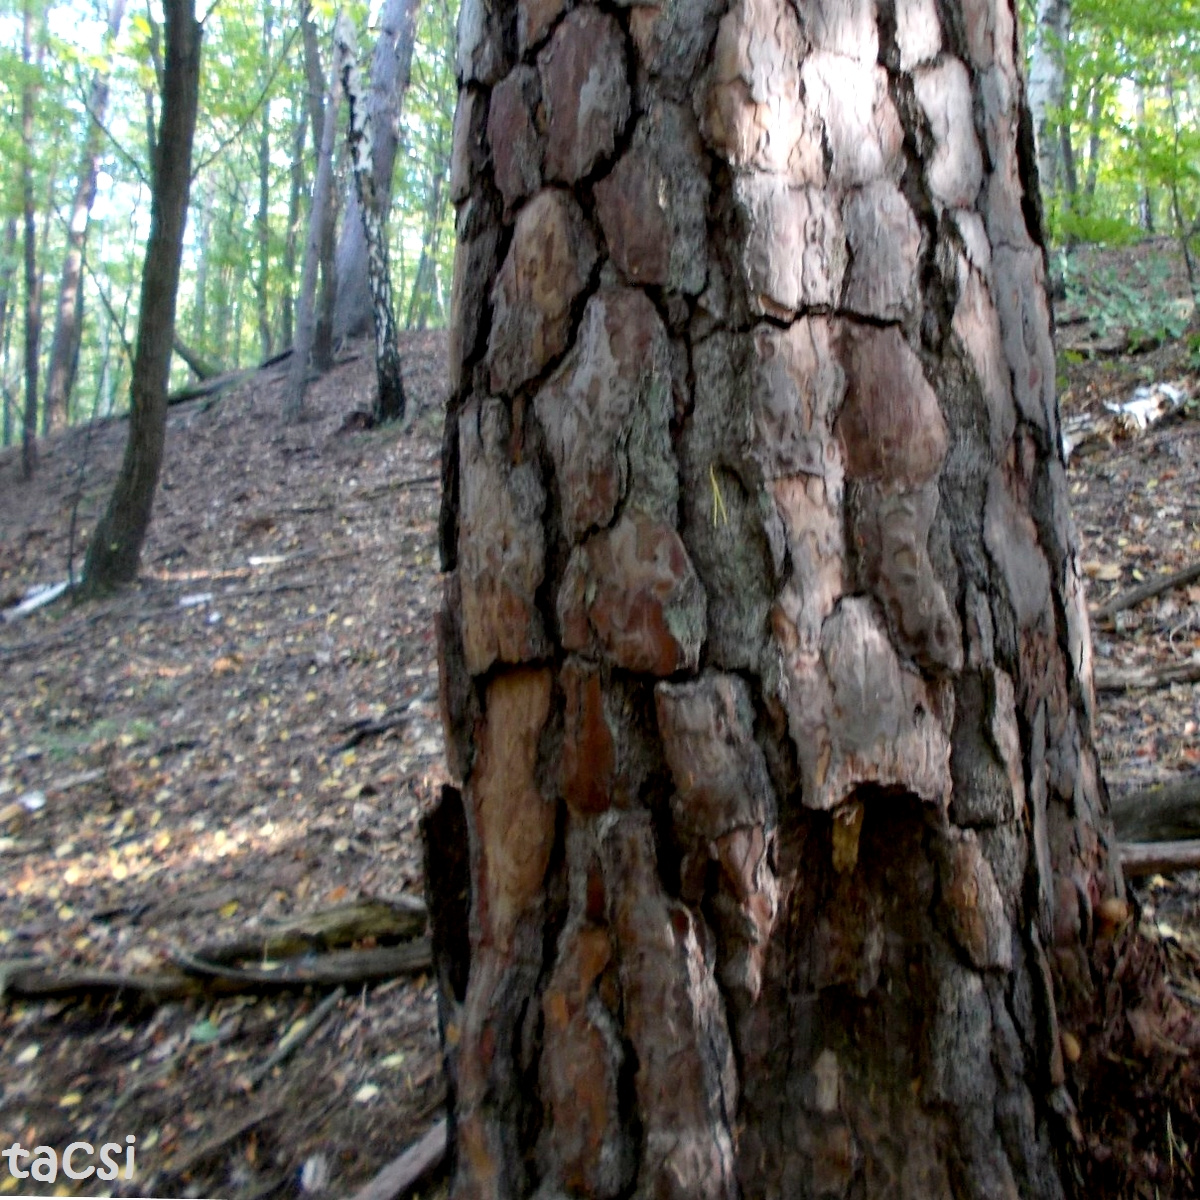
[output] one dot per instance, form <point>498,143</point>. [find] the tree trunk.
<point>322,344</point>
<point>68,323</point>
<point>8,269</point>
<point>33,282</point>
<point>287,320</point>
<point>116,546</point>
<point>318,225</point>
<point>263,218</point>
<point>765,659</point>
<point>389,399</point>
<point>391,67</point>
<point>1047,87</point>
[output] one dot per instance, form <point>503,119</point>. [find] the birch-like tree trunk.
<point>318,227</point>
<point>1047,90</point>
<point>391,67</point>
<point>68,323</point>
<point>780,861</point>
<point>389,400</point>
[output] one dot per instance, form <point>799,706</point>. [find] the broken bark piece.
<point>674,1018</point>
<point>607,411</point>
<point>589,749</point>
<point>753,113</point>
<point>653,204</point>
<point>513,137</point>
<point>586,93</point>
<point>955,172</point>
<point>794,250</point>
<point>547,266</point>
<point>585,1147</point>
<point>501,543</point>
<point>884,240</point>
<point>633,591</point>
<point>513,823</point>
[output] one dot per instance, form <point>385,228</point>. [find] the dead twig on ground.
<point>409,1168</point>
<point>1139,679</point>
<point>1158,858</point>
<point>1168,812</point>
<point>294,1041</point>
<point>1146,591</point>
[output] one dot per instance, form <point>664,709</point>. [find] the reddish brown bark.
<point>765,664</point>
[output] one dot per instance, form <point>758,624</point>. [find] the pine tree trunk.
<point>391,67</point>
<point>116,545</point>
<point>68,323</point>
<point>389,400</point>
<point>318,225</point>
<point>765,660</point>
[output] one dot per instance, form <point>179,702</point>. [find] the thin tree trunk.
<point>8,270</point>
<point>68,323</point>
<point>781,842</point>
<point>424,283</point>
<point>1095,112</point>
<point>33,282</point>
<point>322,346</point>
<point>202,215</point>
<point>263,218</point>
<point>293,409</point>
<point>116,545</point>
<point>1047,87</point>
<point>389,400</point>
<point>295,194</point>
<point>391,69</point>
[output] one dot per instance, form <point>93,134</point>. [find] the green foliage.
<point>1139,306</point>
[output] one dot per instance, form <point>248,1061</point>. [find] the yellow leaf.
<point>227,910</point>
<point>70,1100</point>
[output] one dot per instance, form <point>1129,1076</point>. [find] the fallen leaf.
<point>366,1093</point>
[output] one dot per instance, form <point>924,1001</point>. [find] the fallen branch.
<point>338,967</point>
<point>1146,678</point>
<point>46,984</point>
<point>1146,591</point>
<point>209,387</point>
<point>346,967</point>
<point>400,919</point>
<point>366,729</point>
<point>1159,814</point>
<point>220,1140</point>
<point>408,1168</point>
<point>1155,858</point>
<point>294,1041</point>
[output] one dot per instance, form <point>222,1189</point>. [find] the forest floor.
<point>176,767</point>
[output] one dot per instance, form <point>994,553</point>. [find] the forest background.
<point>1113,84</point>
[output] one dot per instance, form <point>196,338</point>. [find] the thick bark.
<point>360,130</point>
<point>765,660</point>
<point>33,281</point>
<point>68,321</point>
<point>115,549</point>
<point>391,66</point>
<point>318,225</point>
<point>1047,89</point>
